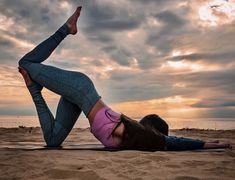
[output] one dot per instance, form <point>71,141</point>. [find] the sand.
<point>29,163</point>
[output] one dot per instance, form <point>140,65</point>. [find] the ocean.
<point>82,122</point>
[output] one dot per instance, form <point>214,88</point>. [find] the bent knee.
<point>22,62</point>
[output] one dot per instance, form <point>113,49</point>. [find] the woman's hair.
<point>153,121</point>
<point>138,137</point>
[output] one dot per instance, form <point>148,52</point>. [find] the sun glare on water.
<point>217,12</point>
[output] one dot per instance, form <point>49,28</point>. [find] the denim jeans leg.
<point>31,61</point>
<point>54,130</point>
<point>67,114</point>
<point>76,89</point>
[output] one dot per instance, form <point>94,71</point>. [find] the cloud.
<point>103,16</point>
<point>123,47</point>
<point>212,57</point>
<point>217,102</point>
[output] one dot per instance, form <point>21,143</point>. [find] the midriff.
<point>118,133</point>
<point>98,105</point>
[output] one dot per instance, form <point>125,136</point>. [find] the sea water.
<point>82,122</point>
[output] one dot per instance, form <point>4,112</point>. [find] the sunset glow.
<point>217,12</point>
<point>172,58</point>
<point>170,107</point>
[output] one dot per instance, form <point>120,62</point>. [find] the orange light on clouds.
<point>182,66</point>
<point>18,42</point>
<point>217,12</point>
<point>179,85</point>
<point>169,107</point>
<point>5,22</point>
<point>186,66</point>
<point>181,52</point>
<point>65,5</point>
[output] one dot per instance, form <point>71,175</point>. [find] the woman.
<point>78,93</point>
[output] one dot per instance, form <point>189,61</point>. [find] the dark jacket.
<point>138,137</point>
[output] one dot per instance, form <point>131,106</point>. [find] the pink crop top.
<point>103,124</point>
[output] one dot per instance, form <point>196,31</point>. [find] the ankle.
<point>67,28</point>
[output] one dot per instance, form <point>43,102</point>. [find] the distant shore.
<point>172,130</point>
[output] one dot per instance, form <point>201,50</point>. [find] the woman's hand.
<point>215,145</point>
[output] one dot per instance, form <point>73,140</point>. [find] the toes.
<point>79,8</point>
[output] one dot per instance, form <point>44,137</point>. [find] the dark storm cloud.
<point>122,56</point>
<point>6,56</point>
<point>5,43</point>
<point>37,17</point>
<point>170,19</point>
<point>220,113</point>
<point>102,38</point>
<point>215,103</point>
<point>66,65</point>
<point>123,92</point>
<point>159,3</point>
<point>215,81</point>
<point>108,17</point>
<point>218,57</point>
<point>6,50</point>
<point>215,88</point>
<point>173,25</point>
<point>104,20</point>
<point>135,86</point>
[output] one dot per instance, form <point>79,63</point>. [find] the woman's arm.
<point>174,143</point>
<point>210,145</point>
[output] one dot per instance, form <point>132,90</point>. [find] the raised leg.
<point>41,52</point>
<point>60,81</point>
<point>31,61</point>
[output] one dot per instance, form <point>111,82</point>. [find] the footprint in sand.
<point>197,163</point>
<point>186,178</point>
<point>68,174</point>
<point>173,166</point>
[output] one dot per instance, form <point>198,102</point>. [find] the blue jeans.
<point>76,90</point>
<point>174,143</point>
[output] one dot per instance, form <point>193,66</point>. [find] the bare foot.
<point>72,21</point>
<point>24,73</point>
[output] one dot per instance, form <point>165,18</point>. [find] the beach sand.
<point>25,163</point>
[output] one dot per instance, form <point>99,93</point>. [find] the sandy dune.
<point>94,164</point>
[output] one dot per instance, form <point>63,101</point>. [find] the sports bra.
<point>103,125</point>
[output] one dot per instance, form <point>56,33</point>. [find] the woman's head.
<point>137,136</point>
<point>153,121</point>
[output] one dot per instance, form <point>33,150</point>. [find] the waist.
<point>96,108</point>
<point>105,116</point>
<point>103,125</point>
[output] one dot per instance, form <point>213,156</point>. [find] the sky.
<point>174,58</point>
